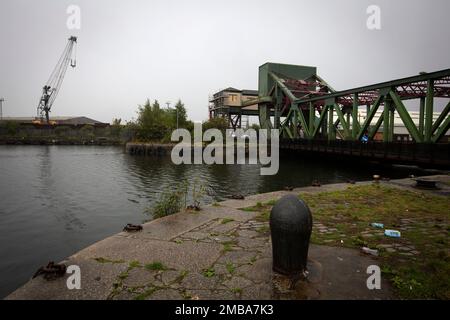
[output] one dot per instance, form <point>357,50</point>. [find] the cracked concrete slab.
<point>186,255</point>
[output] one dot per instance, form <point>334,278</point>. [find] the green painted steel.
<point>264,117</point>
<point>386,116</point>
<point>378,86</point>
<point>421,115</point>
<point>355,123</point>
<point>259,100</point>
<point>299,115</point>
<point>294,122</point>
<point>265,82</point>
<point>404,115</point>
<point>319,124</point>
<point>331,128</point>
<point>429,112</point>
<point>344,123</point>
<point>369,118</point>
<point>312,119</point>
<point>441,118</point>
<point>374,129</point>
<point>296,94</point>
<point>278,83</point>
<point>442,130</point>
<point>391,125</point>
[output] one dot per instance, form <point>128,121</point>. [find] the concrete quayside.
<point>224,252</point>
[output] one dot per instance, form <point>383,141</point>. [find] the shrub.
<point>62,131</point>
<point>169,203</point>
<point>11,127</point>
<point>172,201</point>
<point>87,131</point>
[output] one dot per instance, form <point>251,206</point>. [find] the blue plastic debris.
<point>392,233</point>
<point>377,225</point>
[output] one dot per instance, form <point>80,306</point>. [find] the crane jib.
<point>53,85</point>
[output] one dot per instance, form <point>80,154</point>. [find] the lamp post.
<point>1,108</point>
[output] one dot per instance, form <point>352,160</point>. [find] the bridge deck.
<point>434,155</point>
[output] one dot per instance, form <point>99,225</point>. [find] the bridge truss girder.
<point>309,108</point>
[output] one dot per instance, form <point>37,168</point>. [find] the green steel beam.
<point>311,118</point>
<point>278,99</point>
<point>339,134</point>
<point>246,112</point>
<point>325,126</point>
<point>404,115</point>
<point>264,117</point>
<point>386,125</point>
<point>294,122</point>
<point>441,118</point>
<point>288,131</point>
<point>391,124</point>
<point>319,124</point>
<point>302,119</point>
<point>369,117</point>
<point>259,100</point>
<point>331,128</point>
<point>323,82</point>
<point>429,112</point>
<point>347,133</point>
<point>285,125</point>
<point>421,115</point>
<point>276,117</point>
<point>287,119</point>
<point>375,129</point>
<point>387,84</point>
<point>442,130</point>
<point>355,123</point>
<point>280,83</point>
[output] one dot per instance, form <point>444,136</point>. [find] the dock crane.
<point>52,86</point>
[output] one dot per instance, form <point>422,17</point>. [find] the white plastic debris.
<point>372,252</point>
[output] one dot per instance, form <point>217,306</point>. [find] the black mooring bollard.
<point>290,227</point>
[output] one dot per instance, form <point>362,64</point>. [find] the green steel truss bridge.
<point>312,116</point>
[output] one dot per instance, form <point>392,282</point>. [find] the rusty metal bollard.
<point>290,227</point>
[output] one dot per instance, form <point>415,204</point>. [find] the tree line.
<point>156,123</point>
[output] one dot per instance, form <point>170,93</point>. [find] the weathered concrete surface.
<point>218,253</point>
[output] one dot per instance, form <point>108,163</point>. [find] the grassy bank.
<point>418,263</point>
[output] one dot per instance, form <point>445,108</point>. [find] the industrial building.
<point>59,121</point>
<point>228,102</point>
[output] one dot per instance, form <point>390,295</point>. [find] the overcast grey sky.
<point>165,50</point>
